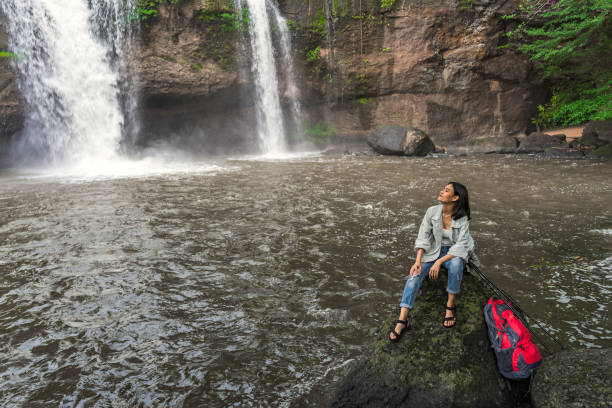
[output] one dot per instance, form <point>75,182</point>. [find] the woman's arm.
<point>461,247</point>
<point>435,268</point>
<point>416,268</point>
<point>423,240</point>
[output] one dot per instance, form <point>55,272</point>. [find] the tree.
<point>570,40</point>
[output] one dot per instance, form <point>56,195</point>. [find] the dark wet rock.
<point>574,379</point>
<point>12,103</point>
<point>485,145</point>
<point>400,140</point>
<point>602,128</point>
<point>602,152</point>
<point>563,152</point>
<point>431,366</point>
<point>591,139</point>
<point>538,142</point>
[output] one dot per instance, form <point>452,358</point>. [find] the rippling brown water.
<point>256,283</point>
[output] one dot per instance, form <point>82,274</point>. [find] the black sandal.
<point>453,317</point>
<point>398,336</point>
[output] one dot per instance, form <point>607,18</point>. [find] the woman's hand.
<point>434,270</point>
<point>416,268</point>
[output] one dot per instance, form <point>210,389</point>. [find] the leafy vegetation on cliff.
<point>146,9</point>
<point>6,54</point>
<point>571,42</point>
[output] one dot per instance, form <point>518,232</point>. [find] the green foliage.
<point>313,55</point>
<point>466,4</point>
<point>147,9</point>
<point>317,27</point>
<point>571,42</point>
<point>575,103</point>
<point>315,132</point>
<point>228,21</point>
<point>387,4</point>
<point>6,54</point>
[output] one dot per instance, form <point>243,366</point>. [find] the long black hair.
<point>462,205</point>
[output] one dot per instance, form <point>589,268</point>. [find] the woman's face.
<point>447,195</point>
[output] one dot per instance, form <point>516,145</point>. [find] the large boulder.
<point>602,128</point>
<point>574,379</point>
<point>431,366</point>
<point>400,140</point>
<point>538,142</point>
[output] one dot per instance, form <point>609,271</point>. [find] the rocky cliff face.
<point>12,104</point>
<point>429,65</point>
<point>194,81</point>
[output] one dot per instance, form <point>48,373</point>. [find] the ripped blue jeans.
<point>455,274</point>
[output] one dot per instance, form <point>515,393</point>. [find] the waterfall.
<point>271,126</point>
<point>287,63</point>
<point>68,79</point>
<point>113,22</point>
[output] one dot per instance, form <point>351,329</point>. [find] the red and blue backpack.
<point>517,356</point>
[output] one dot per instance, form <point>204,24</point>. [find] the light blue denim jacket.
<point>430,237</point>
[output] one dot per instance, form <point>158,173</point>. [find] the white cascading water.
<point>287,59</point>
<point>68,81</point>
<point>113,22</point>
<point>269,113</point>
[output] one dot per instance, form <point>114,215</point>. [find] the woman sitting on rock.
<point>444,240</point>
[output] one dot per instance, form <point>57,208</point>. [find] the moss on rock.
<point>431,366</point>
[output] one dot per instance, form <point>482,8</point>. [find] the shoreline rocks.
<point>391,140</point>
<point>538,142</point>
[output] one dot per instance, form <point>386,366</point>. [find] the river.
<point>256,282</point>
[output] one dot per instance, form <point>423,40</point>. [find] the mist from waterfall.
<point>72,87</point>
<point>271,124</point>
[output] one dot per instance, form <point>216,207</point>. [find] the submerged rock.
<point>574,379</point>
<point>400,140</point>
<point>431,366</point>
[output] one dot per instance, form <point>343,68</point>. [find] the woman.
<point>444,240</point>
